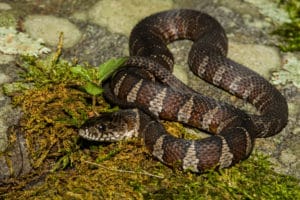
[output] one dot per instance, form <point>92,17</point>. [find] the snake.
<point>148,92</point>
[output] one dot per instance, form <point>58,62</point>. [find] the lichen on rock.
<point>290,72</point>
<point>14,42</point>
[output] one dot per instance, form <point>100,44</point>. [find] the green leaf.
<point>93,89</point>
<point>106,69</point>
<point>81,71</point>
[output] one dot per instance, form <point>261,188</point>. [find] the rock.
<point>15,161</point>
<point>49,27</point>
<point>259,58</point>
<point>287,157</point>
<point>181,73</point>
<point>5,6</point>
<point>110,13</point>
<point>4,59</point>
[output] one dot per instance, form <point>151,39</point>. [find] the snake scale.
<point>146,85</point>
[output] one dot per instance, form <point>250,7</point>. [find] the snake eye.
<point>102,127</point>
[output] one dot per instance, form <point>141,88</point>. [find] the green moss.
<point>67,167</point>
<point>7,19</point>
<point>53,103</point>
<point>133,174</point>
<point>290,32</point>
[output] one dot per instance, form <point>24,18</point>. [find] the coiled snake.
<point>147,84</point>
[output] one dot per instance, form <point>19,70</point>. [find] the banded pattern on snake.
<point>146,83</point>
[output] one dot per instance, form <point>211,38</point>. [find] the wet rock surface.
<point>247,29</point>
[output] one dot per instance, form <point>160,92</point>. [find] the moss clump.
<point>131,173</point>
<point>290,32</point>
<point>54,103</point>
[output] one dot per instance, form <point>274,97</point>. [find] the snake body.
<point>146,83</point>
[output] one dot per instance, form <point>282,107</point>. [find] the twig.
<point>123,171</point>
<point>59,48</point>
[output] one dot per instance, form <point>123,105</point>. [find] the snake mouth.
<point>84,133</point>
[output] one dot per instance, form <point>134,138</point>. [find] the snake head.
<point>110,127</point>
